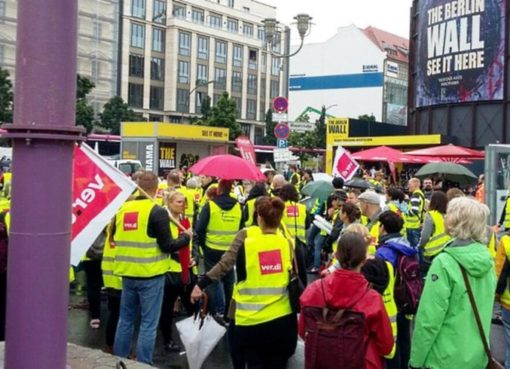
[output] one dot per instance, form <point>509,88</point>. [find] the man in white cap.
<point>370,205</point>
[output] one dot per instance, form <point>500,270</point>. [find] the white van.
<point>128,167</point>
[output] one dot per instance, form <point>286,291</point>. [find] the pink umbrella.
<point>227,167</point>
<point>449,153</point>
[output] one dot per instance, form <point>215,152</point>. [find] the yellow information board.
<point>174,131</point>
<point>337,129</point>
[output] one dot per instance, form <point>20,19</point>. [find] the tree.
<point>205,108</point>
<point>114,112</point>
<point>320,129</point>
<point>84,111</point>
<point>270,138</point>
<point>223,114</point>
<point>367,118</point>
<point>6,96</point>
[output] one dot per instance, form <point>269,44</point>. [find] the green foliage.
<point>367,118</point>
<point>205,109</point>
<point>223,114</point>
<point>84,111</point>
<point>114,112</point>
<point>6,96</point>
<point>311,139</point>
<point>84,86</point>
<point>320,129</point>
<point>270,138</point>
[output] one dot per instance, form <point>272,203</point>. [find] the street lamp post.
<point>271,27</point>
<point>198,83</point>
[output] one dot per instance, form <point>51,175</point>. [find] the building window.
<point>3,7</point>
<point>197,15</point>
<point>203,48</point>
<point>182,100</point>
<point>199,98</point>
<point>138,8</point>
<point>237,82</point>
<point>95,69</point>
<point>252,59</point>
<point>158,40</point>
<point>232,25</point>
<point>135,95</point>
<point>159,11</point>
<point>238,56</point>
<point>252,84</point>
<point>275,89</point>
<point>184,43</point>
<point>231,3</point>
<point>263,62</point>
<point>221,52</point>
<point>262,111</point>
<point>275,67</point>
<point>216,98</point>
<point>246,129</point>
<point>251,109</point>
<point>156,98</point>
<point>137,35</point>
<point>136,65</point>
<point>248,29</point>
<point>97,28</point>
<point>157,69</point>
<point>220,79</point>
<point>239,106</point>
<point>202,73</point>
<point>215,20</point>
<point>259,134</point>
<point>183,72</point>
<point>261,33</point>
<point>179,11</point>
<point>263,88</point>
<point>277,44</point>
<point>2,53</point>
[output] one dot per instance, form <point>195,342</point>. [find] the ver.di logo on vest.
<point>270,262</point>
<point>131,221</point>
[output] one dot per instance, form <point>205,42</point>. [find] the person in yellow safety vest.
<point>433,235</point>
<point>278,182</point>
<point>249,206</point>
<point>370,204</point>
<point>186,174</point>
<point>503,287</point>
<point>504,220</point>
<point>395,200</point>
<point>217,225</point>
<point>143,243</point>
<point>181,274</point>
<point>174,184</point>
<point>193,185</point>
<point>7,188</point>
<point>206,183</point>
<point>263,332</point>
<point>295,215</point>
<point>415,212</point>
<point>392,246</point>
<point>113,285</point>
<point>294,177</point>
<point>480,189</point>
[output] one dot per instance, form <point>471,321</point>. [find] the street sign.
<point>282,144</point>
<point>281,155</point>
<point>281,131</point>
<point>280,104</point>
<point>280,117</point>
<point>301,127</point>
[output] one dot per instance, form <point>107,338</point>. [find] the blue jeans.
<point>314,242</point>
<point>145,295</point>
<point>505,314</point>
<point>413,236</point>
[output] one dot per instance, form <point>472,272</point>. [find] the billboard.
<point>460,51</point>
<point>167,158</point>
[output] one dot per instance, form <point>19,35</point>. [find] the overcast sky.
<point>328,15</point>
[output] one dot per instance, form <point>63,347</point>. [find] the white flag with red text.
<point>344,165</point>
<point>99,190</point>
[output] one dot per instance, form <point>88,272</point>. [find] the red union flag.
<point>99,190</point>
<point>344,165</point>
<point>246,148</point>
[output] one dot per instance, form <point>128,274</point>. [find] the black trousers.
<point>3,303</point>
<point>113,315</point>
<point>228,287</point>
<point>170,296</point>
<point>402,355</point>
<point>94,276</point>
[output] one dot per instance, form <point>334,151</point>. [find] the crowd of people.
<point>382,273</point>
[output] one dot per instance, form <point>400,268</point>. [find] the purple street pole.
<point>43,136</point>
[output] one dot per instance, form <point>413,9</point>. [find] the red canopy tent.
<point>388,154</point>
<point>449,153</point>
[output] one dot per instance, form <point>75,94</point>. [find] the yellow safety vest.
<point>250,205</point>
<point>204,199</point>
<point>5,204</point>
<point>492,245</point>
<point>174,265</point>
<point>162,188</point>
<point>506,223</point>
<point>374,232</point>
<point>294,218</point>
<point>298,180</point>
<point>189,195</point>
<point>364,220</point>
<point>391,307</point>
<point>137,254</point>
<point>505,242</point>
<point>439,238</point>
<point>394,208</point>
<point>223,226</point>
<point>107,264</point>
<point>414,221</point>
<point>263,295</point>
<point>7,189</point>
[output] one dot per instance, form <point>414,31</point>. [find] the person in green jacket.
<point>446,334</point>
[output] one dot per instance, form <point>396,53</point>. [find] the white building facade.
<point>348,75</point>
<point>174,53</point>
<point>98,22</point>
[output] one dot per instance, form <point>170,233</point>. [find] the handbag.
<point>295,287</point>
<point>493,363</point>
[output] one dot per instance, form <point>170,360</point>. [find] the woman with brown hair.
<point>263,330</point>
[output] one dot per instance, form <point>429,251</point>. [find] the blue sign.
<point>282,144</point>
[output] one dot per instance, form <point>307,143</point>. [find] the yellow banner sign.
<point>337,128</point>
<point>174,131</point>
<point>387,140</point>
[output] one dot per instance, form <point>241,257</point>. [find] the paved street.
<point>81,334</point>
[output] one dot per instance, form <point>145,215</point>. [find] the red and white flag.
<point>344,165</point>
<point>99,190</point>
<point>246,148</point>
